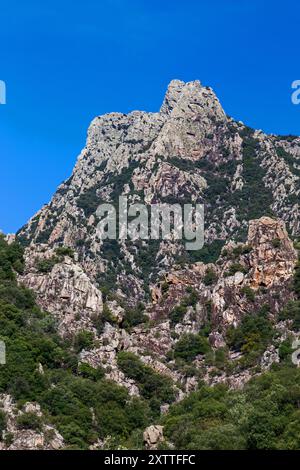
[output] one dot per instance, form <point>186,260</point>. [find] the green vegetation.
<point>156,388</point>
<point>264,415</point>
<point>297,280</point>
<point>29,420</point>
<point>46,265</point>
<point>189,346</point>
<point>2,423</point>
<point>292,312</point>
<point>83,340</point>
<point>84,406</point>
<point>254,199</point>
<point>207,254</point>
<point>11,260</point>
<point>134,316</point>
<point>210,277</point>
<point>276,243</point>
<point>292,309</point>
<point>249,293</point>
<point>105,317</point>
<point>66,391</point>
<point>252,336</point>
<point>289,159</point>
<point>177,314</point>
<point>234,268</point>
<point>64,251</point>
<point>89,201</point>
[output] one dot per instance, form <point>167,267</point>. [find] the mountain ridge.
<point>139,308</point>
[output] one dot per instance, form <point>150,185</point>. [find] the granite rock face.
<point>153,436</point>
<point>189,151</point>
<point>16,438</point>
<point>66,291</point>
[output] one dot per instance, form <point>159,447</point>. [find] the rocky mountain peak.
<point>188,152</point>
<point>191,98</point>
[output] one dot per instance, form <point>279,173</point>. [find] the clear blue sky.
<point>65,62</point>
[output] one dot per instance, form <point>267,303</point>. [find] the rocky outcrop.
<point>153,436</point>
<point>273,257</point>
<point>189,151</point>
<point>17,436</point>
<point>66,290</point>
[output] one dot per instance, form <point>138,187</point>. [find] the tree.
<point>189,346</point>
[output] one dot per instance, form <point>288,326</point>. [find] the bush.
<point>89,372</point>
<point>292,312</point>
<point>285,350</point>
<point>189,346</point>
<point>234,268</point>
<point>29,421</point>
<point>65,251</point>
<point>276,243</point>
<point>297,280</point>
<point>210,277</point>
<point>177,314</point>
<point>105,317</point>
<point>83,340</point>
<point>134,317</point>
<point>249,293</point>
<point>46,265</point>
<point>151,384</point>
<point>252,335</point>
<point>2,423</point>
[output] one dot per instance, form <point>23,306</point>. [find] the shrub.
<point>276,242</point>
<point>249,293</point>
<point>252,335</point>
<point>164,287</point>
<point>134,317</point>
<point>83,340</point>
<point>29,421</point>
<point>234,268</point>
<point>297,280</point>
<point>285,350</point>
<point>177,314</point>
<point>210,277</point>
<point>65,251</point>
<point>89,372</point>
<point>46,265</point>
<point>292,312</point>
<point>2,422</point>
<point>151,384</point>
<point>189,346</point>
<point>105,317</point>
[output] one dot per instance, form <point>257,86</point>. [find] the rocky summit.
<point>148,323</point>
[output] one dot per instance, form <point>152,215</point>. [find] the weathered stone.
<point>153,436</point>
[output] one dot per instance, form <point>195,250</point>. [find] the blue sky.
<point>65,62</point>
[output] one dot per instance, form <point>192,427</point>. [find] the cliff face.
<point>150,316</point>
<point>190,151</point>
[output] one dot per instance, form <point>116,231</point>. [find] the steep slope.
<point>150,316</point>
<point>189,151</point>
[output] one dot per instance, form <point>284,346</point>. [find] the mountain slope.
<point>189,151</point>
<point>154,318</point>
